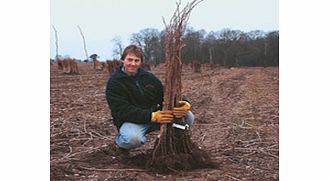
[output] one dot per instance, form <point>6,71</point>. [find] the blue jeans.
<point>132,135</point>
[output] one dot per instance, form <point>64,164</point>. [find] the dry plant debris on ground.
<point>237,123</point>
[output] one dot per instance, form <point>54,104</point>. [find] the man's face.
<point>132,63</point>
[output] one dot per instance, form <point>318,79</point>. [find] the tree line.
<point>225,47</point>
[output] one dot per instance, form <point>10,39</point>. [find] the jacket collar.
<point>122,74</point>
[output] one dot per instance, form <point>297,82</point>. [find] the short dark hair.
<point>132,49</point>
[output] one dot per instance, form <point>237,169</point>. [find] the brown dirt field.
<point>237,123</point>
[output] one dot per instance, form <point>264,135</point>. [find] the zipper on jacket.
<point>139,87</point>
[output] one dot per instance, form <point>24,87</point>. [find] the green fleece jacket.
<point>133,98</point>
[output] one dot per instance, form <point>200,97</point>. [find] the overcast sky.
<point>102,20</point>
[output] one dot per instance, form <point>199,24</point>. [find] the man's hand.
<point>162,116</point>
<point>181,111</point>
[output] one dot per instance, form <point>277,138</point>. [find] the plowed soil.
<point>237,123</point>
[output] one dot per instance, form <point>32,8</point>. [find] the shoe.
<point>122,151</point>
<point>123,154</point>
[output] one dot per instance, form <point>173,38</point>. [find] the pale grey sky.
<point>102,20</point>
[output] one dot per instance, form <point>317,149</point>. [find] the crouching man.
<point>135,97</point>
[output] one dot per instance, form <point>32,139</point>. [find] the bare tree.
<point>84,43</point>
<point>149,40</point>
<point>118,47</point>
<point>174,149</point>
<point>56,43</point>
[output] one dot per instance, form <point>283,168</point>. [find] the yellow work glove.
<point>181,111</point>
<point>162,116</point>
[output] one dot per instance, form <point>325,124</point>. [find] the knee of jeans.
<point>134,140</point>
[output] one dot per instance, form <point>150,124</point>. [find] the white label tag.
<point>178,126</point>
